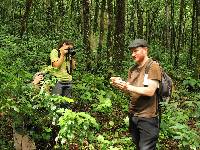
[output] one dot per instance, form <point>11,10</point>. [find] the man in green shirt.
<point>63,60</point>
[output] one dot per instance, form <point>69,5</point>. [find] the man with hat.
<point>143,107</point>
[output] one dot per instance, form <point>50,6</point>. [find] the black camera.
<point>71,51</point>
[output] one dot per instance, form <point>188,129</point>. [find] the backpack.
<point>166,84</point>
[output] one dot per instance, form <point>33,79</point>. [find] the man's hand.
<point>38,77</point>
<point>64,51</point>
<point>119,83</point>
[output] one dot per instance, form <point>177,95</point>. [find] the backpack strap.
<point>132,68</point>
<point>158,110</point>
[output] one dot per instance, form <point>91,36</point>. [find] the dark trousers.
<point>63,89</point>
<point>144,132</point>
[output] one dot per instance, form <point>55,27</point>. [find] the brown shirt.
<point>140,105</point>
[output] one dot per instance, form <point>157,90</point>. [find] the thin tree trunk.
<point>140,20</point>
<point>96,16</point>
<point>119,35</point>
<point>110,30</point>
<point>101,35</point>
<point>192,33</point>
<point>179,44</point>
<point>150,25</point>
<point>132,20</point>
<point>146,33</point>
<point>167,28</point>
<point>24,21</point>
<point>197,70</point>
<point>78,17</point>
<point>60,16</point>
<point>173,33</point>
<point>49,16</point>
<point>86,33</point>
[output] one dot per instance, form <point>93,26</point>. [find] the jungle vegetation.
<point>101,31</point>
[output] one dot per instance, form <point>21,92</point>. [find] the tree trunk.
<point>110,30</point>
<point>192,33</point>
<point>86,34</point>
<point>24,21</point>
<point>60,16</point>
<point>179,44</point>
<point>146,34</point>
<point>167,27</point>
<point>173,33</point>
<point>96,16</point>
<point>140,20</point>
<point>132,20</point>
<point>119,35</point>
<point>197,71</point>
<point>101,35</point>
<point>50,15</point>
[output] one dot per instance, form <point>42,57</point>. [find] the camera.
<point>71,51</point>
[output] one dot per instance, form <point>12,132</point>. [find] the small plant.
<point>75,127</point>
<point>192,84</point>
<point>173,126</point>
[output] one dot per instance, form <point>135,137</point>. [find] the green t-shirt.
<point>61,72</point>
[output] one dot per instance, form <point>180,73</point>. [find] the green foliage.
<point>93,92</point>
<point>104,104</point>
<point>114,144</point>
<point>36,112</point>
<point>176,124</point>
<point>33,114</point>
<point>192,84</point>
<point>97,105</point>
<point>75,127</point>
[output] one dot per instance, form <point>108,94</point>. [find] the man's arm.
<point>126,87</point>
<point>146,91</point>
<point>60,59</point>
<point>59,62</point>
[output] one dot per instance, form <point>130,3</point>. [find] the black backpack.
<point>166,84</point>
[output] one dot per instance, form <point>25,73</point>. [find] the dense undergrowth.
<point>96,118</point>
